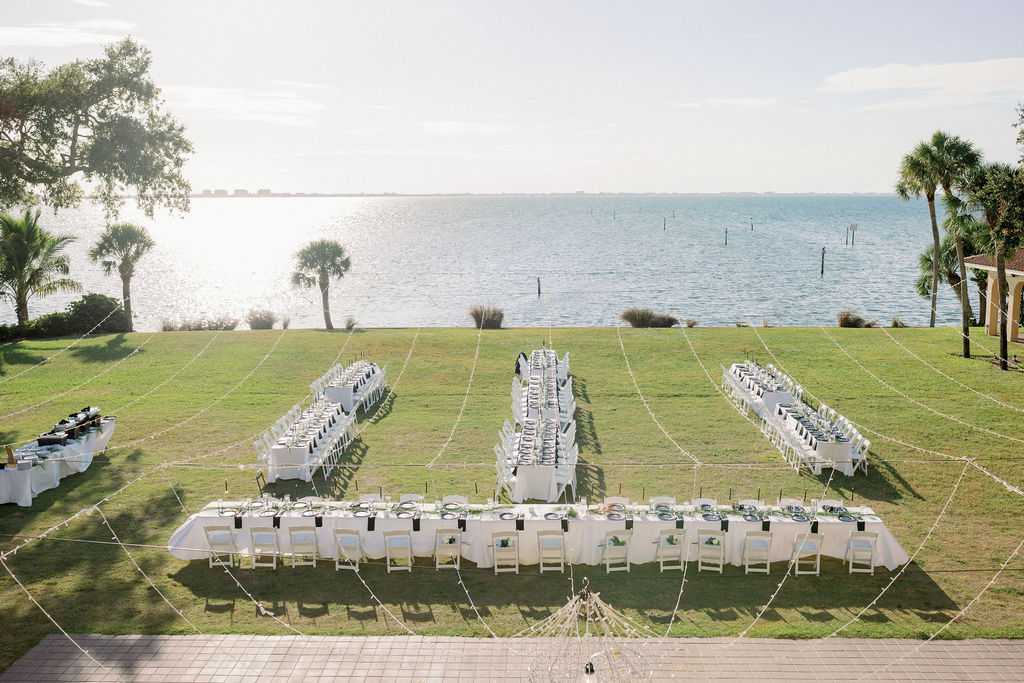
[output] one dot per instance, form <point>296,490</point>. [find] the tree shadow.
<point>16,355</point>
<point>115,348</point>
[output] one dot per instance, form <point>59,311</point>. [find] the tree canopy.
<point>100,121</point>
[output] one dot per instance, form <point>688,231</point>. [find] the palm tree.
<point>31,263</point>
<point>941,161</point>
<point>917,176</point>
<point>947,268</point>
<point>316,264</point>
<point>997,192</point>
<point>121,246</point>
<point>954,158</point>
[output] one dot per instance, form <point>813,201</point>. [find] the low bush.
<point>691,322</point>
<point>261,319</point>
<point>645,317</point>
<point>896,322</point>
<point>95,313</point>
<point>487,317</point>
<point>848,318</point>
<point>350,323</point>
<point>224,322</point>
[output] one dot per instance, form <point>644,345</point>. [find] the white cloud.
<point>61,34</point>
<point>463,128</point>
<point>265,106</point>
<point>954,84</point>
<point>91,3</point>
<point>727,103</point>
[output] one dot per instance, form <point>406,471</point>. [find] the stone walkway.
<point>274,658</point>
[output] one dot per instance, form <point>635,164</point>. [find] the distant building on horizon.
<point>220,193</point>
<point>206,193</point>
<point>240,193</point>
<point>263,192</point>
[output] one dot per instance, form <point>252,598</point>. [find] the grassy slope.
<point>95,588</point>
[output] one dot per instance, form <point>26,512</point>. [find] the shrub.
<point>285,322</point>
<point>224,322</point>
<point>487,317</point>
<point>691,322</point>
<point>350,323</point>
<point>848,318</point>
<point>261,319</point>
<point>167,326</point>
<point>87,312</point>
<point>51,325</point>
<point>896,322</point>
<point>645,317</point>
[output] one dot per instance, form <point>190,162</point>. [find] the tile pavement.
<point>209,658</point>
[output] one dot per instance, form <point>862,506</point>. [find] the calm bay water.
<point>426,260</point>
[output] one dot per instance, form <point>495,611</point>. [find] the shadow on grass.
<point>115,348</point>
<point>335,485</point>
<point>16,355</point>
<point>384,409</point>
<point>890,488</point>
<point>831,598</point>
<point>586,432</point>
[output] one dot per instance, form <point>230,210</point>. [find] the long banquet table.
<point>758,387</point>
<point>830,448</point>
<point>584,534</point>
<point>54,463</point>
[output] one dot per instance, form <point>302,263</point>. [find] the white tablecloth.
<point>835,454</point>
<point>535,482</point>
<point>764,404</point>
<point>21,486</point>
<point>584,539</point>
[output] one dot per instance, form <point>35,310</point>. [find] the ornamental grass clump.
<point>487,317</point>
<point>261,319</point>
<point>848,318</point>
<point>645,317</point>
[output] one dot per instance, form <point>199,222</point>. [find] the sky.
<point>527,96</point>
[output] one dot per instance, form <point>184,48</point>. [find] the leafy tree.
<point>120,247</point>
<point>31,263</point>
<point>100,121</point>
<point>316,264</point>
<point>996,191</point>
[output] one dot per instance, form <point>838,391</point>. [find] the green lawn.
<point>96,588</point>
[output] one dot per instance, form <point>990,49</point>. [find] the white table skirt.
<point>21,486</point>
<point>835,454</point>
<point>584,540</point>
<point>535,482</point>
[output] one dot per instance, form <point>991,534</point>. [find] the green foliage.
<point>645,317</point>
<point>94,310</point>
<point>350,323</point>
<point>32,262</point>
<point>119,247</point>
<point>223,322</point>
<point>100,120</point>
<point>318,261</point>
<point>487,317</point>
<point>261,319</point>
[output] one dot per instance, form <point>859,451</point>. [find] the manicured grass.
<point>96,588</point>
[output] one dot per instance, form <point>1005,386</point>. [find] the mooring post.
<point>823,261</point>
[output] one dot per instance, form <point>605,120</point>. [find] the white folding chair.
<point>304,547</point>
<point>411,498</point>
<point>349,550</point>
<point>860,552</point>
<point>698,502</point>
<point>551,550</point>
<point>671,546</point>
<point>460,500</point>
<point>264,544</point>
<point>753,502</point>
<point>806,557</point>
<point>505,551</point>
<point>221,542</point>
<point>710,550</point>
<point>790,502</point>
<point>616,551</point>
<point>447,546</point>
<point>398,547</point>
<point>616,500</point>
<point>757,548</point>
<point>661,500</point>
<point>370,498</point>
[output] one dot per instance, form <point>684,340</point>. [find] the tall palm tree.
<point>121,246</point>
<point>316,264</point>
<point>31,263</point>
<point>953,159</point>
<point>997,192</point>
<point>917,177</point>
<point>947,268</point>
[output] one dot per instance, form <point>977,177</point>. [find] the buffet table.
<point>584,528</point>
<point>51,464</point>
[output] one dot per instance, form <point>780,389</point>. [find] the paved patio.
<point>273,658</point>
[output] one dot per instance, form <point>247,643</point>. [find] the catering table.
<point>759,388</point>
<point>584,534</point>
<point>54,463</point>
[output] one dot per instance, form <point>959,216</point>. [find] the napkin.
<point>416,522</point>
<point>814,527</point>
<point>679,523</point>
<point>565,525</point>
<point>629,524</point>
<point>860,525</point>
<point>725,524</point>
<point>766,525</point>
<point>371,522</point>
<point>318,520</point>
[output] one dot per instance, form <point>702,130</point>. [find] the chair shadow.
<point>384,409</point>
